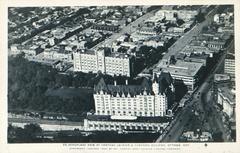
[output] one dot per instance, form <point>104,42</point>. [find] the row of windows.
<point>126,104</point>
<point>133,127</point>
<point>126,107</point>
<point>88,63</point>
<point>88,58</point>
<point>136,113</point>
<point>116,60</point>
<point>117,70</point>
<point>119,63</point>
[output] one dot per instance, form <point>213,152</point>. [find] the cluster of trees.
<point>200,17</point>
<point>152,55</point>
<point>28,82</point>
<point>222,8</point>
<point>28,134</point>
<point>105,137</point>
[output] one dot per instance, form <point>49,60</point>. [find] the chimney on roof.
<point>126,81</point>
<point>115,82</point>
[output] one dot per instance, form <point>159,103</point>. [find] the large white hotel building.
<point>149,99</point>
<point>104,61</point>
<point>144,106</point>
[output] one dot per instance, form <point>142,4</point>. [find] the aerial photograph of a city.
<point>121,74</point>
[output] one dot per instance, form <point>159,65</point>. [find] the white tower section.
<point>160,99</point>
<point>77,64</point>
<point>155,87</point>
<point>100,56</point>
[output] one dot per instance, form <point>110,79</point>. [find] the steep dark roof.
<point>124,89</point>
<point>230,56</point>
<point>101,86</point>
<point>166,76</point>
<point>164,81</point>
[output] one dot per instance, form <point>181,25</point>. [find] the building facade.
<point>171,15</point>
<point>106,27</point>
<point>149,99</point>
<point>226,98</point>
<point>220,80</point>
<point>106,124</point>
<point>188,73</point>
<point>100,60</point>
<point>229,65</point>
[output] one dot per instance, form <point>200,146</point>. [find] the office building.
<point>103,60</point>
<point>188,73</point>
<point>229,64</point>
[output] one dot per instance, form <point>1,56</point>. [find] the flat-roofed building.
<point>106,27</point>
<point>149,30</point>
<point>199,49</point>
<point>107,123</point>
<point>177,29</point>
<point>171,15</point>
<point>187,72</point>
<point>217,44</point>
<point>103,60</point>
<point>57,54</point>
<point>198,58</point>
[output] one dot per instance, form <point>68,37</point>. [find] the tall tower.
<point>100,56</point>
<point>77,63</point>
<point>155,85</point>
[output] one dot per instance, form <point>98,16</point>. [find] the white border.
<point>50,148</point>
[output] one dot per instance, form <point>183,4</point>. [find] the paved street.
<point>130,28</point>
<point>215,120</point>
<point>181,120</point>
<point>187,37</point>
<point>43,121</point>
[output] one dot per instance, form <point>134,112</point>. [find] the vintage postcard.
<point>119,76</point>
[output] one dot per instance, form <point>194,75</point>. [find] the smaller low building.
<point>149,28</point>
<point>14,49</point>
<point>191,136</point>
<point>177,29</point>
<point>29,51</point>
<point>57,54</point>
<point>157,41</point>
<point>106,123</point>
<point>217,44</point>
<point>154,43</point>
<point>106,27</point>
<point>199,49</point>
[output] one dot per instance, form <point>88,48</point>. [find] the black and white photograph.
<point>121,74</point>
